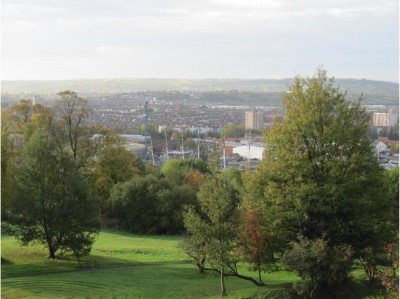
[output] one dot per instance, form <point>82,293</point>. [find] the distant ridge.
<point>383,92</point>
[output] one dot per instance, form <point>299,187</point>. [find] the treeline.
<point>318,204</point>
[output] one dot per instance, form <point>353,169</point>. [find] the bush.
<point>389,277</point>
<point>149,205</point>
<point>324,270</point>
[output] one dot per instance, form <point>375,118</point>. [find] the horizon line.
<point>187,79</point>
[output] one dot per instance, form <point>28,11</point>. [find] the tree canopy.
<point>319,179</point>
<point>51,202</point>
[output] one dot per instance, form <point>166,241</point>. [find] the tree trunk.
<point>52,252</point>
<point>200,264</point>
<point>223,289</point>
<point>259,276</point>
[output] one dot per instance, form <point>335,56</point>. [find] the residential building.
<point>254,120</point>
<point>385,119</point>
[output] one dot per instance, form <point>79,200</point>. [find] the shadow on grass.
<point>6,262</point>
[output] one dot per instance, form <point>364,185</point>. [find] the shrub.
<point>389,278</point>
<point>324,270</point>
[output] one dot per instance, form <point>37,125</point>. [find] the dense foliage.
<point>214,226</point>
<point>150,204</point>
<point>51,203</point>
<point>319,180</point>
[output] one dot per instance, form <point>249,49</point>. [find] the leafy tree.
<point>172,201</point>
<point>193,179</point>
<point>319,177</point>
<point>19,115</point>
<point>213,226</point>
<point>175,136</point>
<point>253,244</point>
<point>51,202</point>
<point>189,143</point>
<point>386,231</point>
<point>234,176</point>
<point>150,128</point>
<point>132,206</point>
<point>324,269</point>
<point>114,164</point>
<point>72,111</point>
<point>18,124</point>
<point>150,204</point>
<point>217,231</point>
<point>176,170</point>
<point>232,130</point>
<point>9,160</point>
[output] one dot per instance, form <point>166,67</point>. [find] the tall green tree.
<point>319,177</point>
<point>51,201</point>
<point>217,228</point>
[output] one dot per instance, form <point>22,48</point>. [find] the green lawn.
<point>111,249</point>
<point>131,266</point>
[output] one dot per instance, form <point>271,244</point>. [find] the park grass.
<point>131,266</point>
<point>111,249</point>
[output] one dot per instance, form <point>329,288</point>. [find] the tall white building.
<point>254,120</point>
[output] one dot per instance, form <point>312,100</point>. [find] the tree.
<point>324,270</point>
<point>51,202</point>
<point>320,179</point>
<point>193,179</point>
<point>253,244</point>
<point>234,176</point>
<point>232,130</point>
<point>9,160</point>
<point>175,136</point>
<point>150,204</point>
<point>72,111</point>
<point>131,204</point>
<point>176,170</point>
<point>189,143</point>
<point>114,165</point>
<point>20,115</point>
<point>217,231</point>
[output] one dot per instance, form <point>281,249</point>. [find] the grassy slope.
<point>130,267</point>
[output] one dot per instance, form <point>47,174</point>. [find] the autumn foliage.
<point>253,243</point>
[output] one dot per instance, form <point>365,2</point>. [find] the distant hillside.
<point>374,92</point>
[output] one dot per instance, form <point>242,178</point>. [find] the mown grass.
<point>131,266</point>
<point>111,249</point>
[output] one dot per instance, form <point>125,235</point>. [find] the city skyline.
<point>55,40</point>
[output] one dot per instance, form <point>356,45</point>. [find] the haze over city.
<point>54,40</point>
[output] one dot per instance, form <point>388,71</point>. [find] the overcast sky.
<point>73,39</point>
